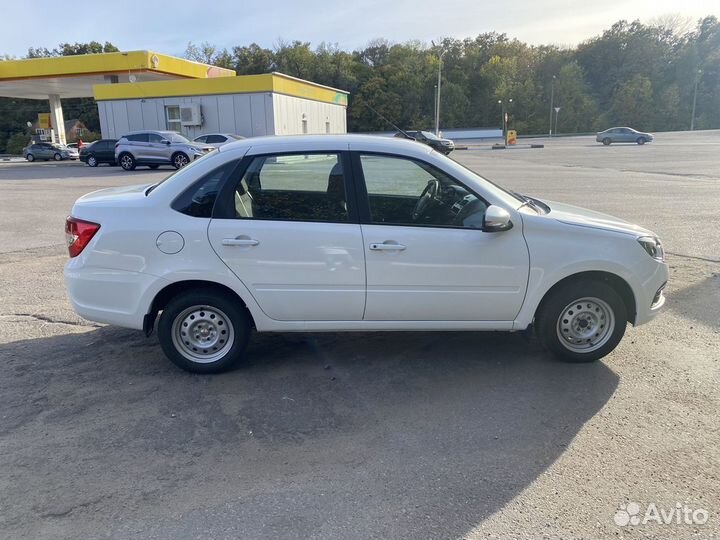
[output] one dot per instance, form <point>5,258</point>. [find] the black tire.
<point>179,160</point>
<point>641,140</point>
<point>215,314</point>
<point>92,161</point>
<point>154,166</point>
<point>558,315</point>
<point>57,157</point>
<point>30,158</point>
<point>606,141</point>
<point>127,161</point>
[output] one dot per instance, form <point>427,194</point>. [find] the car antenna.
<point>407,135</point>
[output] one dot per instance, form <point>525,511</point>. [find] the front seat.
<point>336,191</point>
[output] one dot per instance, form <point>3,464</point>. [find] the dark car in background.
<point>623,135</point>
<point>102,151</point>
<point>444,146</point>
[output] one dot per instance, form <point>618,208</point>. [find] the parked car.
<point>444,146</point>
<point>623,135</point>
<point>102,151</point>
<point>45,151</point>
<point>155,148</point>
<point>72,152</point>
<point>352,233</point>
<point>217,139</point>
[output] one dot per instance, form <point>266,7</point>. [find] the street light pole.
<point>437,105</point>
<point>692,118</point>
<point>502,117</point>
<point>435,102</point>
<point>557,113</point>
<point>552,99</point>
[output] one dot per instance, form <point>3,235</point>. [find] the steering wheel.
<point>428,195</point>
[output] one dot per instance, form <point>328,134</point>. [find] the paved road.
<point>413,435</point>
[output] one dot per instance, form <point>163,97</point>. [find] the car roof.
<point>299,143</point>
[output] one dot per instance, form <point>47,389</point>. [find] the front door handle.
<point>240,241</point>
<point>387,246</point>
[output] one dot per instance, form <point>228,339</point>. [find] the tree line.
<point>643,75</point>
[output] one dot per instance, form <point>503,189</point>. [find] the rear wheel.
<point>92,161</point>
<point>57,157</point>
<point>606,141</point>
<point>127,162</point>
<point>179,160</point>
<point>582,321</point>
<point>641,140</point>
<point>202,331</point>
<point>30,157</point>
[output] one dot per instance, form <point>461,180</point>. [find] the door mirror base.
<point>496,219</point>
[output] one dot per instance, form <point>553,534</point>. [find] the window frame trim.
<point>363,198</point>
<point>224,204</point>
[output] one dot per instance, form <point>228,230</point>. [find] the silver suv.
<point>155,148</point>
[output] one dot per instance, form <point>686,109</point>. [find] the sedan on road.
<point>623,135</point>
<point>444,146</point>
<point>46,151</point>
<point>352,233</point>
<point>217,139</point>
<point>102,151</point>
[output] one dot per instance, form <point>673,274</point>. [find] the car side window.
<point>215,139</point>
<point>155,138</point>
<point>201,140</point>
<point>294,187</point>
<point>403,191</point>
<point>137,137</point>
<point>199,199</point>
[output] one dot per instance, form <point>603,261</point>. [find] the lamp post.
<point>557,112</point>
<point>503,120</point>
<point>552,99</point>
<point>437,100</point>
<point>697,81</point>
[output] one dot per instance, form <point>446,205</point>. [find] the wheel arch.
<point>167,293</point>
<point>620,286</point>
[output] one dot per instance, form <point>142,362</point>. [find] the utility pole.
<point>692,118</point>
<point>435,102</point>
<point>557,113</point>
<point>437,99</point>
<point>552,99</point>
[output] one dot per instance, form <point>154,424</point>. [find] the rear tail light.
<point>78,234</point>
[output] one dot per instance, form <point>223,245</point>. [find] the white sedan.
<point>216,140</point>
<point>352,233</point>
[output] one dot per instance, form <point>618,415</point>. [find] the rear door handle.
<point>386,246</point>
<point>240,241</point>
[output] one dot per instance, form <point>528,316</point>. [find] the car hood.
<point>575,215</point>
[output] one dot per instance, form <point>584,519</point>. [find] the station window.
<point>172,117</point>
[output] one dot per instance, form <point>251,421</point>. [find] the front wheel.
<point>582,321</point>
<point>641,140</point>
<point>57,157</point>
<point>30,158</point>
<point>92,161</point>
<point>606,141</point>
<point>204,332</point>
<point>179,160</point>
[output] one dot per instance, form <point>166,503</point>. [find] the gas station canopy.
<point>75,76</point>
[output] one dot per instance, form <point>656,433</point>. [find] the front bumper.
<point>650,296</point>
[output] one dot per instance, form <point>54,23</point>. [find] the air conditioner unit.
<point>190,115</point>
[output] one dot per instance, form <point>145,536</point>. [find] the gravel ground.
<point>413,435</point>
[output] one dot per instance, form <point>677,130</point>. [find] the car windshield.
<point>177,138</point>
<point>429,135</point>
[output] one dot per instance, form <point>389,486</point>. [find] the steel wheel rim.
<point>126,162</point>
<point>585,324</point>
<point>180,161</point>
<point>202,334</point>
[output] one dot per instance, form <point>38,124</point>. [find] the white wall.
<point>289,113</point>
<point>250,115</point>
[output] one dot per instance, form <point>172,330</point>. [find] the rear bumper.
<point>116,297</point>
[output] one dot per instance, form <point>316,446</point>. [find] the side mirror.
<point>165,141</point>
<point>496,219</point>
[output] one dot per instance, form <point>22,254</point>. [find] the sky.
<point>168,26</point>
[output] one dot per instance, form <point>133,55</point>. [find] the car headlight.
<point>652,245</point>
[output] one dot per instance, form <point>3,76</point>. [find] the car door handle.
<point>385,246</point>
<point>240,242</point>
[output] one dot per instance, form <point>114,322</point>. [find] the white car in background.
<point>217,140</point>
<point>352,233</point>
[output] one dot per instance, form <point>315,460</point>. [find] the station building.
<point>146,90</point>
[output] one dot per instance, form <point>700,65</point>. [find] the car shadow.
<point>698,301</point>
<point>373,435</point>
